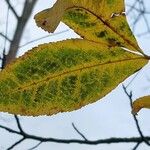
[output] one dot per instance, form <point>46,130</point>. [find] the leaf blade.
<point>64,76</point>
<point>96,20</point>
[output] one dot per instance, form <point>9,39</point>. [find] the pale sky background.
<point>108,117</point>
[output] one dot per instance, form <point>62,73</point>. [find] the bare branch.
<point>137,72</point>
<point>9,130</point>
<point>1,34</point>
<point>12,9</point>
<point>43,38</point>
<point>15,144</point>
<point>136,146</point>
<point>69,141</point>
<point>18,124</point>
<point>134,116</point>
<point>27,10</point>
<point>131,7</point>
<point>140,9</point>
<point>75,128</point>
<point>35,146</point>
<point>5,41</point>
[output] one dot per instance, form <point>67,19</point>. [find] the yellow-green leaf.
<point>64,76</point>
<point>142,102</point>
<point>102,21</point>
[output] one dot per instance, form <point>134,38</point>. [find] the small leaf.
<point>49,20</point>
<point>102,21</point>
<point>143,102</point>
<point>64,76</point>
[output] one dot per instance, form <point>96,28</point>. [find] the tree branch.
<point>35,40</point>
<point>134,116</point>
<point>3,59</point>
<point>5,37</point>
<point>18,124</point>
<point>27,10</point>
<point>136,146</point>
<point>69,141</point>
<point>79,132</point>
<point>37,145</point>
<point>15,144</point>
<point>12,9</point>
<point>140,9</point>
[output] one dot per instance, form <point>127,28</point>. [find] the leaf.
<point>64,76</point>
<point>50,20</point>
<point>102,21</point>
<point>142,102</point>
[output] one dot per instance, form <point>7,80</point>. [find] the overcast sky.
<point>108,117</point>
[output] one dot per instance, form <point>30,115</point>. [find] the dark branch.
<point>12,9</point>
<point>134,116</point>
<point>136,146</point>
<point>69,141</point>
<point>18,124</point>
<point>79,132</point>
<point>9,130</point>
<point>140,9</point>
<point>1,34</point>
<point>15,144</point>
<point>89,142</point>
<point>35,146</point>
<point>3,59</point>
<point>22,21</point>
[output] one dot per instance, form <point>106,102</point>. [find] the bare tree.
<point>137,7</point>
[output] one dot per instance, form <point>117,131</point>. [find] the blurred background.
<point>109,117</point>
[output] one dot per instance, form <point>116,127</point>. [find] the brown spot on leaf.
<point>44,23</point>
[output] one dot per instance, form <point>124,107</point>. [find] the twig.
<point>9,130</point>
<point>137,72</point>
<point>22,21</point>
<point>136,146</point>
<point>139,7</point>
<point>35,146</point>
<point>75,128</point>
<point>69,141</point>
<point>5,37</point>
<point>134,116</point>
<point>5,40</point>
<point>30,42</point>
<point>15,144</point>
<point>12,9</point>
<point>18,124</point>
<point>131,7</point>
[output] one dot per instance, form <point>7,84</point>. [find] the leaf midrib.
<point>50,77</point>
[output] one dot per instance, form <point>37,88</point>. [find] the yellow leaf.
<point>49,20</point>
<point>102,21</point>
<point>64,76</point>
<point>143,102</point>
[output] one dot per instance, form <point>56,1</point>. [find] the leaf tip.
<point>143,102</point>
<point>136,107</point>
<point>42,20</point>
